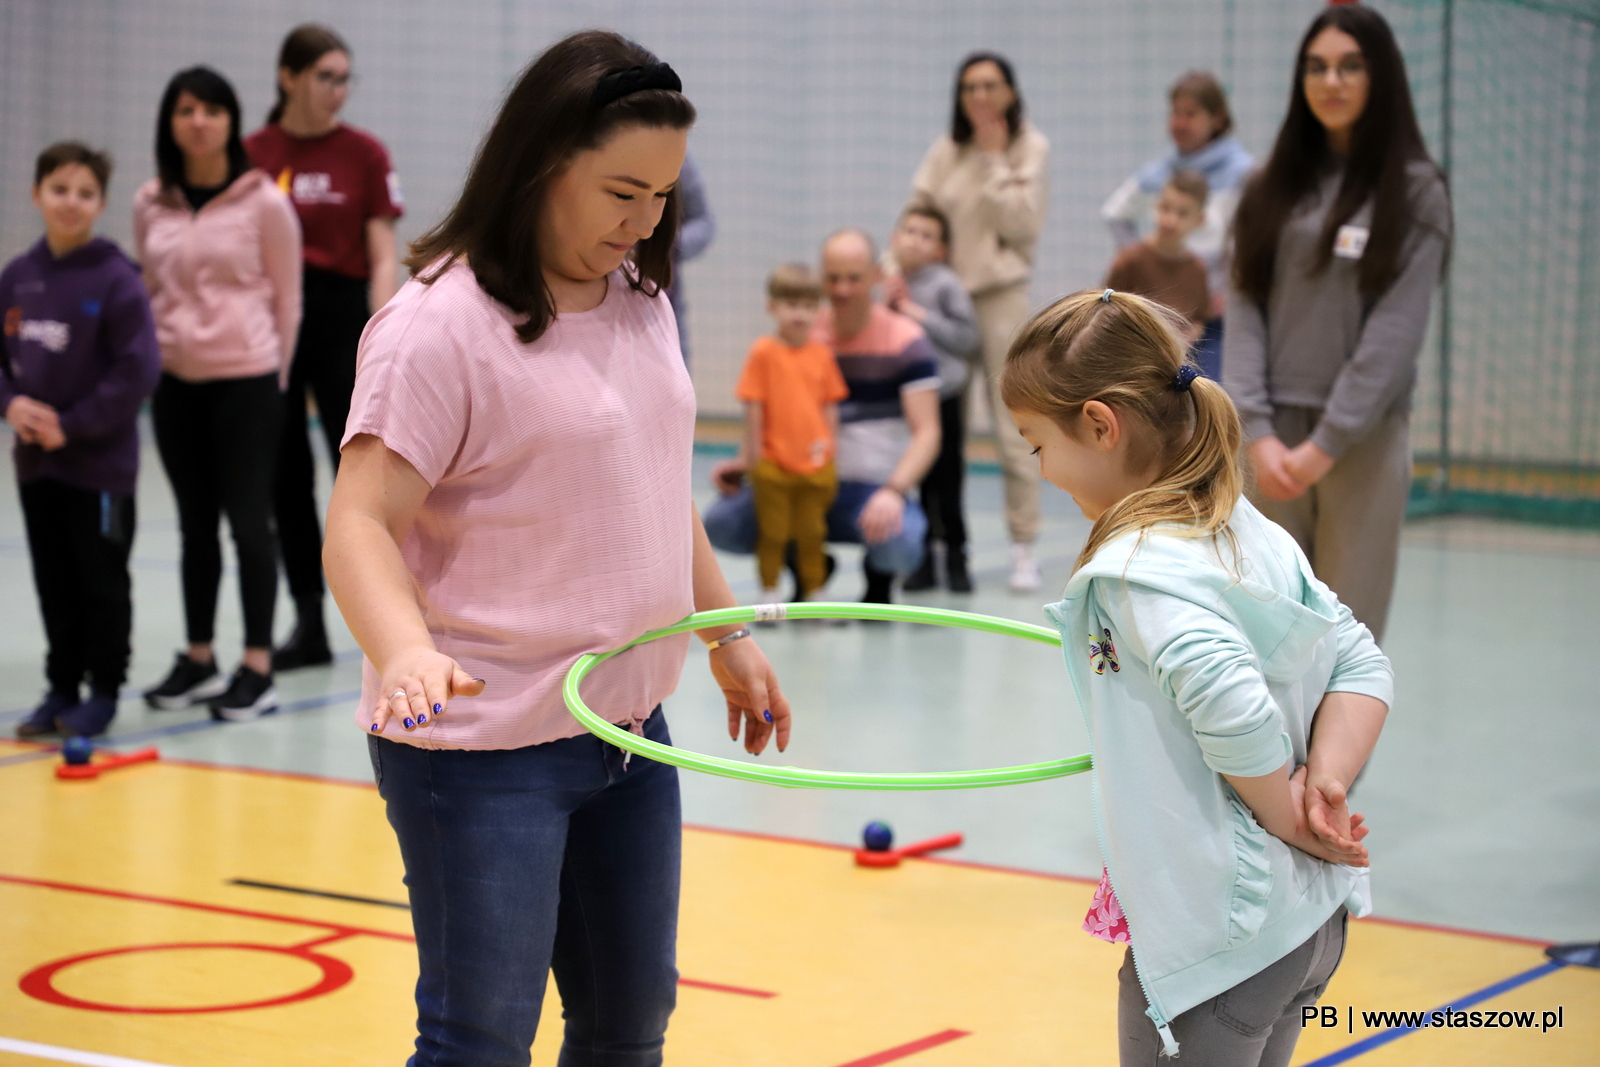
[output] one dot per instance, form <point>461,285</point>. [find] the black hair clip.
<point>620,83</point>
<point>1185,377</point>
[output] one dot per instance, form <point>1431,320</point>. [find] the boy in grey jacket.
<point>929,292</point>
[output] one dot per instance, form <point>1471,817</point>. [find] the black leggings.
<point>80,540</point>
<point>335,312</point>
<point>942,486</point>
<point>218,441</point>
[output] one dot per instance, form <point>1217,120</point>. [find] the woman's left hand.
<point>1307,463</point>
<point>751,690</point>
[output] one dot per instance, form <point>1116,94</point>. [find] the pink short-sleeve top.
<point>560,520</point>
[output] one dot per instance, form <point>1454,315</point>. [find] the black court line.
<point>319,893</point>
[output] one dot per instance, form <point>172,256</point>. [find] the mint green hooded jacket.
<point>1193,658</point>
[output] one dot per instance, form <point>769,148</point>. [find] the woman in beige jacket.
<point>988,176</point>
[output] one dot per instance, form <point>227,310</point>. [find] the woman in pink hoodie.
<point>220,248</point>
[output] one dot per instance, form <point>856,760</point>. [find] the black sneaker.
<point>187,684</point>
<point>43,719</point>
<point>955,569</point>
<point>250,695</point>
<point>880,587</point>
<point>307,647</point>
<point>922,578</point>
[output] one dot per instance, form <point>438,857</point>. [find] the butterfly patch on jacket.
<point>1102,653</point>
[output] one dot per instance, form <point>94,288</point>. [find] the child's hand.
<point>728,476</point>
<point>1326,828</point>
<point>1328,813</point>
<point>35,422</point>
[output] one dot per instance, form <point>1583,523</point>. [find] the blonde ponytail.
<point>1125,351</point>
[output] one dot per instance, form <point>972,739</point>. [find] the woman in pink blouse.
<point>514,493</point>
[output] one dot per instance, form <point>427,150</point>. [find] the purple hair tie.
<point>1185,377</point>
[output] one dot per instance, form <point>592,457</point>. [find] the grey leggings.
<point>1254,1024</point>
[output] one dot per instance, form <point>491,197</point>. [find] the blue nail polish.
<point>421,719</point>
<point>767,715</point>
<point>409,723</point>
<point>374,727</point>
<point>437,709</point>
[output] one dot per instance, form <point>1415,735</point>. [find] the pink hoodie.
<point>224,281</point>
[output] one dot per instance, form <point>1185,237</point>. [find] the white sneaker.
<point>1024,571</point>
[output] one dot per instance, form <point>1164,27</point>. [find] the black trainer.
<point>957,578</point>
<point>880,587</point>
<point>923,577</point>
<point>43,719</point>
<point>307,647</point>
<point>187,684</point>
<point>250,695</point>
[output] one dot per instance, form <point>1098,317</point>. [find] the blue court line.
<point>1383,1037</point>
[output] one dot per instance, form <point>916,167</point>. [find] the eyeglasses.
<point>332,80</point>
<point>975,88</point>
<point>1348,69</point>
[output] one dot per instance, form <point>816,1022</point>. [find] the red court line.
<point>911,1048</point>
<point>338,930</point>
<point>718,987</point>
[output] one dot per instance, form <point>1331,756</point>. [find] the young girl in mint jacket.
<point>1230,698</point>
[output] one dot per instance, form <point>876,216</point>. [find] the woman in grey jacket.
<point>1339,241</point>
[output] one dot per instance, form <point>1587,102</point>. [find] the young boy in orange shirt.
<point>791,388</point>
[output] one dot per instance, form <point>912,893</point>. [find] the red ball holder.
<point>94,768</point>
<point>892,857</point>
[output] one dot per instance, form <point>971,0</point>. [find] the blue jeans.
<point>731,525</point>
<point>556,857</point>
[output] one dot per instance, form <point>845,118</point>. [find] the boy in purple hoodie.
<point>79,358</point>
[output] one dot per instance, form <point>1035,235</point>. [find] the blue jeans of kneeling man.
<point>731,525</point>
<point>558,857</point>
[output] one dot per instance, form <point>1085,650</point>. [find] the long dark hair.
<point>306,43</point>
<point>960,125</point>
<point>1386,138</point>
<point>546,119</point>
<point>209,87</point>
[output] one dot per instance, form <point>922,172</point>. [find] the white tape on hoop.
<point>771,612</point>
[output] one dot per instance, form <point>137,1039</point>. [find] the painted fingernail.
<point>767,715</point>
<point>374,727</point>
<point>409,723</point>
<point>437,709</point>
<point>421,719</point>
<point>485,681</point>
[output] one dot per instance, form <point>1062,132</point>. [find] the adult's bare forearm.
<point>371,585</point>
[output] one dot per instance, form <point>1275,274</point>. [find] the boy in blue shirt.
<point>79,358</point>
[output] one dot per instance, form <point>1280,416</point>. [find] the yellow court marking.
<point>947,963</point>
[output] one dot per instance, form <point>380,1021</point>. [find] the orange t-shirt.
<point>793,387</point>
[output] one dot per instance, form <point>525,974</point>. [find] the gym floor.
<point>126,937</point>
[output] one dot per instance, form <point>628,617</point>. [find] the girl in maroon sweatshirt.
<point>80,357</point>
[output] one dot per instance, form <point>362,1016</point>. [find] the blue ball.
<point>877,837</point>
<point>76,750</point>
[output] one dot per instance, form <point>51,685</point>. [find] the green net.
<point>1508,402</point>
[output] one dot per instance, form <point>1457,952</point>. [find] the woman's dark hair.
<point>547,118</point>
<point>1202,87</point>
<point>960,125</point>
<point>1386,138</point>
<point>209,87</point>
<point>306,43</point>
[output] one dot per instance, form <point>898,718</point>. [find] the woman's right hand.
<point>1267,457</point>
<point>417,686</point>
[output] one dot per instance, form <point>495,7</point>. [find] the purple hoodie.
<point>79,337</point>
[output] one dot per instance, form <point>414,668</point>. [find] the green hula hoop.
<point>799,777</point>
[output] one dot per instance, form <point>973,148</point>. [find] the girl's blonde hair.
<point>1125,352</point>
